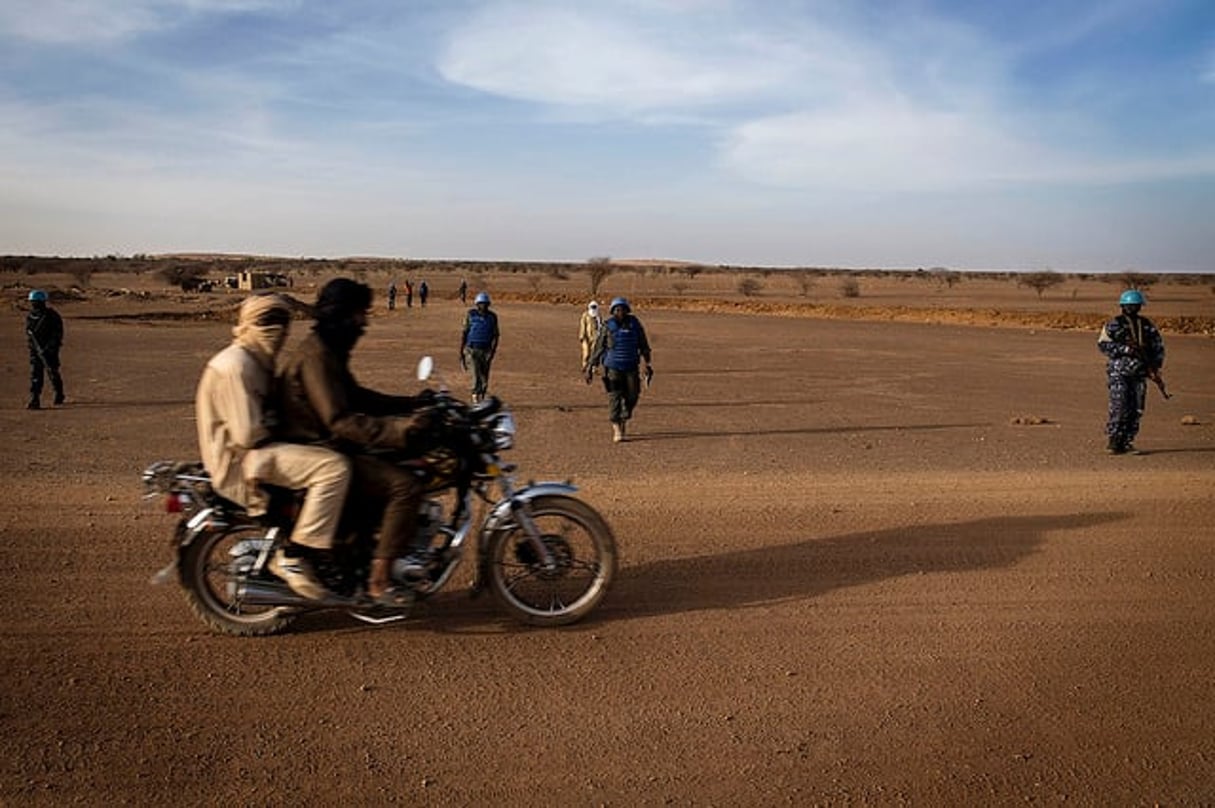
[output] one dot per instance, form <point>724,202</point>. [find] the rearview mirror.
<point>426,366</point>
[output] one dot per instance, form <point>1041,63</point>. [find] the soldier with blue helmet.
<point>44,331</point>
<point>1135,352</point>
<point>620,347</point>
<point>479,343</point>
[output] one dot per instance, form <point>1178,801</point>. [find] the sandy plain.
<point>848,577</point>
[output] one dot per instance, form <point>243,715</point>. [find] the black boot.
<point>33,404</point>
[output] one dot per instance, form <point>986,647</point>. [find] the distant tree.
<point>749,287</point>
<point>805,282</point>
<point>680,287</point>
<point>850,287</point>
<point>600,268</point>
<point>1041,281</point>
<point>534,281</point>
<point>946,277</point>
<point>176,274</point>
<point>1136,280</point>
<point>83,275</point>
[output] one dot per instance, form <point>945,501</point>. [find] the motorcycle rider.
<point>324,405</point>
<point>621,345</point>
<point>44,331</point>
<point>236,437</point>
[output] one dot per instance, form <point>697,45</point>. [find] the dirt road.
<point>847,578</point>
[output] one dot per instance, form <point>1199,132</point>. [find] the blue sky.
<point>1010,134</point>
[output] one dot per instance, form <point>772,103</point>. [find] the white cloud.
<point>583,56</point>
<point>72,21</point>
<point>888,146</point>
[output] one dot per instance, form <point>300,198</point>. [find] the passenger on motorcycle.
<point>324,405</point>
<point>240,446</point>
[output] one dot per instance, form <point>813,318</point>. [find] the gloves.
<point>648,375</point>
<point>588,373</point>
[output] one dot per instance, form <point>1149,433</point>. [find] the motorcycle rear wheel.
<point>584,549</point>
<point>209,574</point>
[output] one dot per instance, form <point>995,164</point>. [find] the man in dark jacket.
<point>44,331</point>
<point>621,346</point>
<point>323,404</point>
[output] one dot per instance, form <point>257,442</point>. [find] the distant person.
<point>44,333</point>
<point>588,331</point>
<point>423,293</point>
<point>463,291</point>
<point>479,343</point>
<point>239,442</point>
<point>408,293</point>
<point>620,347</point>
<point>1135,352</point>
<point>392,295</point>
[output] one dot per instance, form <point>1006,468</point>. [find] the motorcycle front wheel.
<point>584,554</point>
<point>212,568</point>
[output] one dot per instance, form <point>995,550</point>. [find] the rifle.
<point>1152,373</point>
<point>37,346</point>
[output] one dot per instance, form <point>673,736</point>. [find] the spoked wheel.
<point>584,555</point>
<point>212,568</point>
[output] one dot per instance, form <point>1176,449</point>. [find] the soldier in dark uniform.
<point>1135,352</point>
<point>620,346</point>
<point>479,343</point>
<point>44,330</point>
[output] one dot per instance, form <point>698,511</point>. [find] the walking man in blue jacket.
<point>479,343</point>
<point>620,347</point>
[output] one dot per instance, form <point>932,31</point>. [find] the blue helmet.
<point>1131,297</point>
<point>38,296</point>
<point>482,297</point>
<point>619,301</point>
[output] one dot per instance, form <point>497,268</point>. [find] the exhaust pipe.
<point>273,593</point>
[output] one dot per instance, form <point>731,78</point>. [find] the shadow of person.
<point>812,567</point>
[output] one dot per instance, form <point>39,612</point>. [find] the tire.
<point>209,572</point>
<point>585,551</point>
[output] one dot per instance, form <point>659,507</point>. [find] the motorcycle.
<point>547,556</point>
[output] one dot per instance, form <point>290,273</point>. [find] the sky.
<point>1074,135</point>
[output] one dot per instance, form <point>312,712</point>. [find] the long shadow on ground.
<point>813,567</point>
<point>779,573</point>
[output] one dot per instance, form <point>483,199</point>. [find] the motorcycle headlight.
<point>503,431</point>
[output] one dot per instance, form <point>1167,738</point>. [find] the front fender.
<point>526,494</point>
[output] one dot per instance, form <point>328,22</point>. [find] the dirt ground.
<point>848,577</point>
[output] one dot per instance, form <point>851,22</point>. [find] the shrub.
<point>804,281</point>
<point>176,274</point>
<point>1040,281</point>
<point>1136,280</point>
<point>601,267</point>
<point>850,287</point>
<point>680,287</point>
<point>749,287</point>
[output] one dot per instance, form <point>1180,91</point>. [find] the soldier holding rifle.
<point>44,330</point>
<point>1135,353</point>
